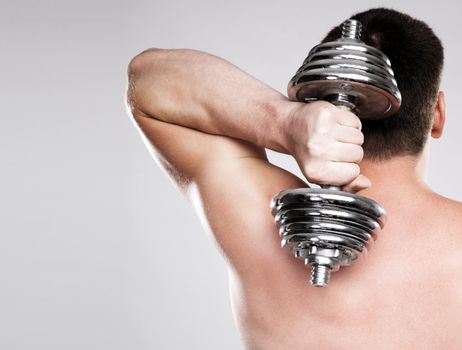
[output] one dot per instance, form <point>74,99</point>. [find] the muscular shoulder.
<point>449,209</point>
<point>443,219</point>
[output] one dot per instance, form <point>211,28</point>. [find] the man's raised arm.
<point>206,93</point>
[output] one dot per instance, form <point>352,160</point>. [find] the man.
<point>209,123</point>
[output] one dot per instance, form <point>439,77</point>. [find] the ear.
<point>439,117</point>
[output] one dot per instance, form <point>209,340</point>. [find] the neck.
<point>398,185</point>
<point>399,175</point>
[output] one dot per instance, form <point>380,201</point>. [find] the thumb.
<point>358,184</point>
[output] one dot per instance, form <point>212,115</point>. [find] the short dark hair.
<point>416,56</point>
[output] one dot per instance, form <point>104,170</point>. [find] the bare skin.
<point>406,294</point>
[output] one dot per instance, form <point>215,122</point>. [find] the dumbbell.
<point>327,227</point>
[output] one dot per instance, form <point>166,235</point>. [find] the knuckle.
<point>324,105</point>
<point>361,138</point>
<point>311,171</point>
<point>359,153</point>
<point>355,170</point>
<point>352,120</point>
<point>314,172</point>
<point>360,124</point>
<point>356,121</point>
<point>326,112</point>
<point>315,149</point>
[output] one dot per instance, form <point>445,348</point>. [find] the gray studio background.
<point>87,219</point>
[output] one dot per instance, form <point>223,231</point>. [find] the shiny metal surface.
<point>349,67</point>
<point>327,227</point>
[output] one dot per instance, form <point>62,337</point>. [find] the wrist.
<point>281,130</point>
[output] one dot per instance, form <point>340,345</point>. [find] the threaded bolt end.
<point>320,275</point>
<point>351,29</point>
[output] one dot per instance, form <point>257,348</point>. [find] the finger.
<point>348,119</point>
<point>358,184</point>
<point>335,173</point>
<point>345,152</point>
<point>348,134</point>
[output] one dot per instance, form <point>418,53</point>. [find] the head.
<point>416,56</point>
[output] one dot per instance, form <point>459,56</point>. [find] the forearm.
<point>206,93</point>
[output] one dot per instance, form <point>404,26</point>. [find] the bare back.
<point>406,294</point>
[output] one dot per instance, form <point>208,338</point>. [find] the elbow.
<point>139,67</point>
<point>142,61</point>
